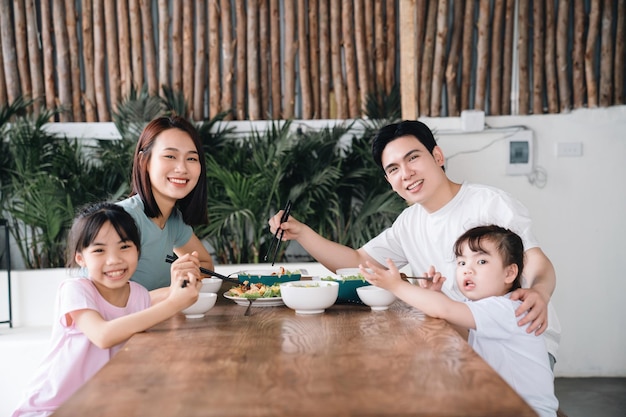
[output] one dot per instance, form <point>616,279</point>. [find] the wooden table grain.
<point>349,361</point>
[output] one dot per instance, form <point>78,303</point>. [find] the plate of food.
<point>269,276</point>
<point>263,295</point>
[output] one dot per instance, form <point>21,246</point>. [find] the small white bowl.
<point>211,284</point>
<point>377,298</point>
<point>205,302</point>
<point>309,297</point>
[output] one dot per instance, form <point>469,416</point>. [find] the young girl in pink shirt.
<point>96,314</point>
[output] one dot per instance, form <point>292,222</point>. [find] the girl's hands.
<point>388,279</point>
<point>186,268</point>
<point>437,281</point>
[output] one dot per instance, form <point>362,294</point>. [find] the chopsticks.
<point>284,218</point>
<point>170,259</point>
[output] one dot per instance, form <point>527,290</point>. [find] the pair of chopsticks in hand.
<point>285,216</point>
<point>170,259</point>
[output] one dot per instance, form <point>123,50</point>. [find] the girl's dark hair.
<point>194,206</point>
<point>90,220</point>
<point>508,244</point>
<point>395,130</point>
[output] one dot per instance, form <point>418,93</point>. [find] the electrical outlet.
<point>569,149</point>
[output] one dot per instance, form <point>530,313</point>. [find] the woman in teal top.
<point>169,196</point>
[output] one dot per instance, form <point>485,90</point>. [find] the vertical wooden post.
<point>441,41</point>
<point>408,80</point>
<point>306,96</point>
<point>34,55</point>
<point>62,60</point>
<point>215,90</point>
<point>276,62</point>
<point>199,74</point>
<point>606,55</point>
<point>164,36</point>
<point>522,48</point>
<point>188,53</point>
<point>136,36</point>
<point>314,56</point>
<point>578,55</point>
<point>550,55</point>
<point>149,47</point>
<point>228,57</point>
<point>562,55</point>
<point>427,61</point>
<point>240,105</point>
<point>89,98</point>
<point>495,69</point>
<point>126,72</point>
<point>360,37</point>
<point>452,65</point>
<point>347,24</point>
<point>252,24</point>
<point>466,56</point>
<point>590,51</point>
<point>620,48</point>
<point>113,57</point>
<point>9,57</point>
<point>264,58</point>
<point>390,50</point>
<point>176,67</point>
<point>538,57</point>
<point>324,54</point>
<point>21,48</point>
<point>335,42</point>
<point>99,63</point>
<point>290,58</point>
<point>507,60</point>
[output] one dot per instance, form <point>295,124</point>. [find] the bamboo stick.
<point>325,65</point>
<point>550,59</point>
<point>228,57</point>
<point>123,31</point>
<point>390,52</point>
<point>21,48</point>
<point>314,56</point>
<point>578,55</point>
<point>113,57</point>
<point>306,94</point>
<point>439,57</point>
<point>347,23</point>
<point>136,36</point>
<point>538,57</point>
<point>62,60</point>
<point>9,54</point>
<point>427,60</point>
<point>370,41</point>
<point>48,58</point>
<point>482,58</point>
<point>379,57</point>
<point>562,55</point>
<point>99,61</point>
<point>362,59</point>
<point>149,47</point>
<point>264,58</point>
<point>290,56</point>
<point>199,78</point>
<point>176,65</point>
<point>163,48</point>
<point>275,59</point>
<point>452,65</point>
<point>421,13</point>
<point>188,54</point>
<point>620,48</point>
<point>606,56</point>
<point>252,54</point>
<point>215,87</point>
<point>89,96</point>
<point>507,60</point>
<point>3,85</point>
<point>335,42</point>
<point>590,49</point>
<point>495,71</point>
<point>70,19</point>
<point>524,84</point>
<point>240,13</point>
<point>408,60</point>
<point>34,56</point>
<point>466,56</point>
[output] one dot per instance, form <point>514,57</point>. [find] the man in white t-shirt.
<point>439,211</point>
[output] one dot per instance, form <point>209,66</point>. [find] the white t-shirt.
<point>72,358</point>
<point>520,358</point>
<point>421,239</point>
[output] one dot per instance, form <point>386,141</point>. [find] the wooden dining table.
<point>347,361</point>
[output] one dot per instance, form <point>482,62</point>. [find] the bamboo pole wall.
<point>312,59</point>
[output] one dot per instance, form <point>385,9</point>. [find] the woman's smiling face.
<point>174,167</point>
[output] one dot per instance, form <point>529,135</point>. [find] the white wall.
<point>579,218</point>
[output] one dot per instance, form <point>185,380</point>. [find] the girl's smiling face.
<point>174,166</point>
<point>413,172</point>
<point>482,274</point>
<point>110,261</point>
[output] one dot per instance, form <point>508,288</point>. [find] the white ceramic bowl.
<point>375,297</point>
<point>309,297</point>
<point>211,284</point>
<point>205,302</point>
